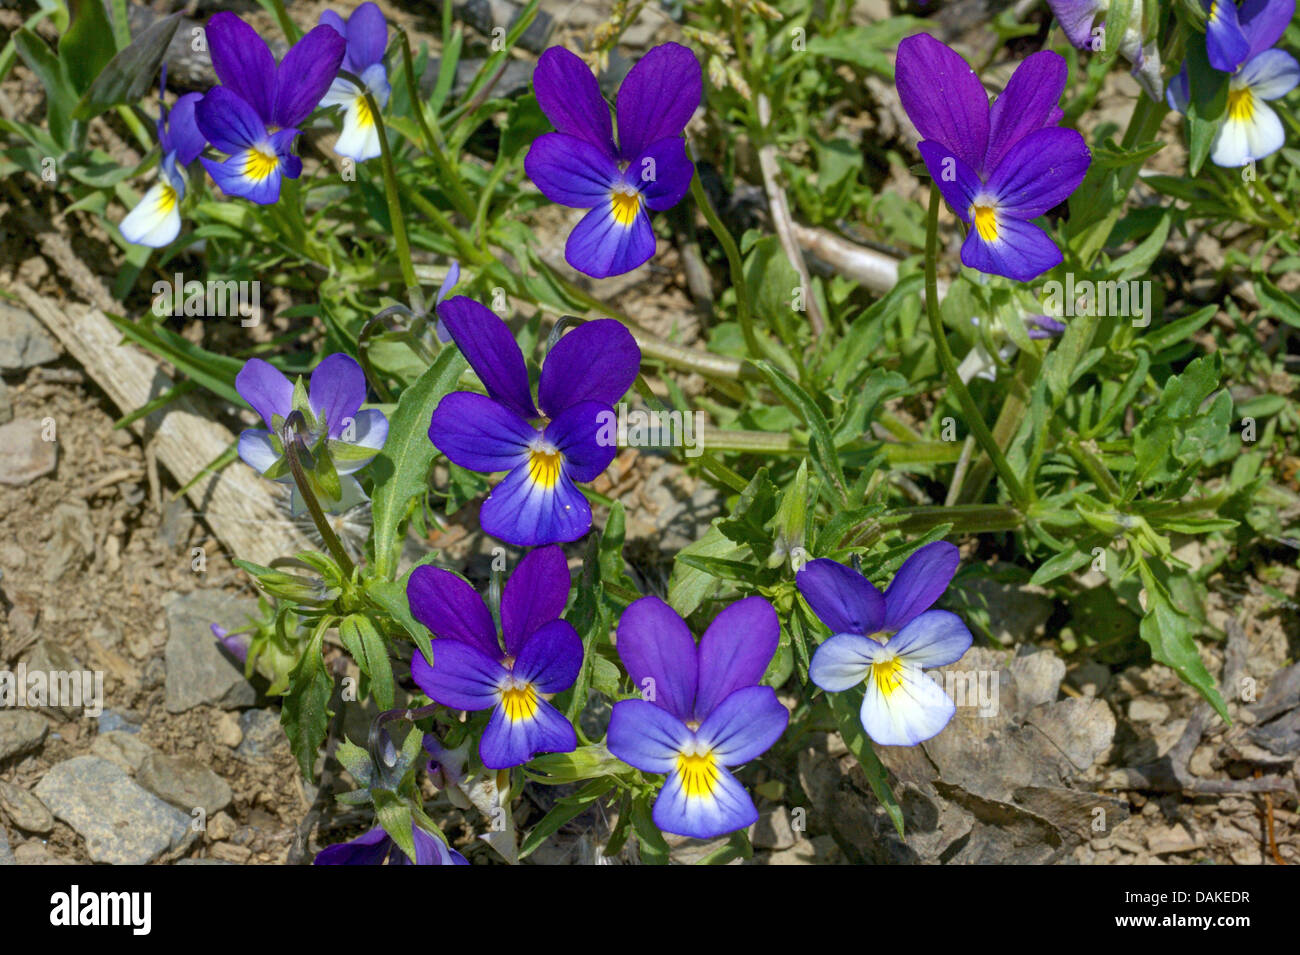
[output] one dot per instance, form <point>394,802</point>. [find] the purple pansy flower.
<point>375,846</point>
<point>886,639</point>
<point>332,409</point>
<point>580,166</point>
<point>583,375</point>
<point>253,117</point>
<point>997,167</point>
<point>701,710</point>
<point>366,32</point>
<point>156,219</point>
<point>236,644</point>
<point>473,671</point>
<point>1078,18</point>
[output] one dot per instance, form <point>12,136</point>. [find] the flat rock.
<point>773,830</point>
<point>21,731</point>
<point>197,672</point>
<point>1082,728</point>
<point>122,823</point>
<point>185,783</point>
<point>27,454</point>
<point>1038,677</point>
<point>24,810</point>
<point>122,749</point>
<point>24,342</point>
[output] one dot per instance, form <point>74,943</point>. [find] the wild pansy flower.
<point>701,712</point>
<point>366,32</point>
<point>1251,130</point>
<point>886,639</point>
<point>253,117</point>
<point>376,846</point>
<point>1078,18</point>
<point>449,283</point>
<point>580,166</point>
<point>156,219</point>
<point>584,373</point>
<point>997,167</point>
<point>236,644</point>
<point>331,406</point>
<point>472,670</point>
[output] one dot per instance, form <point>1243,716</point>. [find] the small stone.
<point>21,731</point>
<point>221,827</point>
<point>185,783</point>
<point>1173,839</point>
<point>1144,710</point>
<point>24,342</point>
<point>121,822</point>
<point>24,810</point>
<point>225,852</point>
<point>802,852</point>
<point>1089,678</point>
<point>27,454</point>
<point>772,831</point>
<point>262,734</point>
<point>112,721</point>
<point>67,691</point>
<point>122,749</point>
<point>197,672</point>
<point>1038,677</point>
<point>226,730</point>
<point>6,854</point>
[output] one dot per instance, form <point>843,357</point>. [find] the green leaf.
<point>1066,562</point>
<point>1117,19</point>
<point>50,71</point>
<point>654,848</point>
<point>845,707</point>
<point>401,469</point>
<point>305,714</point>
<point>130,74</point>
<point>88,44</point>
<point>1275,303</point>
<point>1169,634</point>
<point>1206,106</point>
<point>394,814</point>
<point>563,811</point>
<point>367,647</point>
<point>820,444</point>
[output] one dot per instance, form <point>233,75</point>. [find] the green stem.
<point>413,293</point>
<point>964,518</point>
<point>743,314</point>
<point>974,419</point>
<point>287,25</point>
<point>292,441</point>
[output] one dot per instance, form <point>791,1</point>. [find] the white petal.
<point>905,708</point>
<point>1271,74</point>
<point>156,220</point>
<point>341,93</point>
<point>842,661</point>
<point>1241,140</point>
<point>256,450</point>
<point>359,139</point>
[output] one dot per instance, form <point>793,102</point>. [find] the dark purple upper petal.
<point>244,64</point>
<point>570,97</point>
<point>369,848</point>
<point>943,97</point>
<point>1263,22</point>
<point>462,676</point>
<point>1040,172</point>
<point>305,73</point>
<point>551,657</point>
<point>920,582</point>
<point>662,172</point>
<point>658,97</point>
<point>841,597</point>
<point>367,34</point>
<point>486,342</point>
<point>266,389</point>
<point>658,653</point>
<point>597,361</point>
<point>337,389</point>
<point>735,651</point>
<point>451,608</point>
<point>570,171</point>
<point>228,122</point>
<point>1028,103</point>
<point>183,134</point>
<point>535,594</point>
<point>587,435</point>
<point>1225,41</point>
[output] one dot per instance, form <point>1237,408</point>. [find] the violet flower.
<point>366,32</point>
<point>701,712</point>
<point>236,644</point>
<point>886,639</point>
<point>538,654</point>
<point>254,116</point>
<point>580,166</point>
<point>376,846</point>
<point>1079,20</point>
<point>585,372</point>
<point>156,219</point>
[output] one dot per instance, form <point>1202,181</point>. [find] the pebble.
<point>226,730</point>
<point>24,810</point>
<point>262,734</point>
<point>27,454</point>
<point>112,721</point>
<point>1144,710</point>
<point>197,672</point>
<point>772,831</point>
<point>24,342</point>
<point>122,749</point>
<point>185,783</point>
<point>21,731</point>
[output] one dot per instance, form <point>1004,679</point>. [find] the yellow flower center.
<point>166,198</point>
<point>625,206</point>
<point>699,774</point>
<point>258,164</point>
<point>364,118</point>
<point>888,675</point>
<point>986,222</point>
<point>544,466</point>
<point>1241,105</point>
<point>519,702</point>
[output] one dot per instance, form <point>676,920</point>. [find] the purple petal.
<point>183,134</point>
<point>726,808</point>
<point>570,171</point>
<point>305,73</point>
<point>662,172</point>
<point>369,848</point>
<point>367,34</point>
<point>1076,18</point>
<point>1225,41</point>
<point>582,434</point>
<point>229,122</point>
<point>243,63</point>
<point>956,181</point>
<point>370,430</point>
<point>933,639</point>
<point>597,361</point>
<point>1039,172</point>
<point>735,651</point>
<point>430,850</point>
<point>601,245</point>
<point>479,434</point>
<point>658,653</point>
<point>491,351</point>
<point>1021,252</point>
<point>943,97</point>
<point>522,512</point>
<point>1028,103</point>
<point>841,597</point>
<point>658,97</point>
<point>645,736</point>
<point>551,658</point>
<point>1263,22</point>
<point>744,725</point>
<point>568,94</point>
<point>451,608</point>
<point>256,450</point>
<point>921,581</point>
<point>335,22</point>
<point>1179,92</point>
<point>843,662</point>
<point>282,142</point>
<point>508,743</point>
<point>534,595</point>
<point>266,389</point>
<point>462,676</point>
<point>337,389</point>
